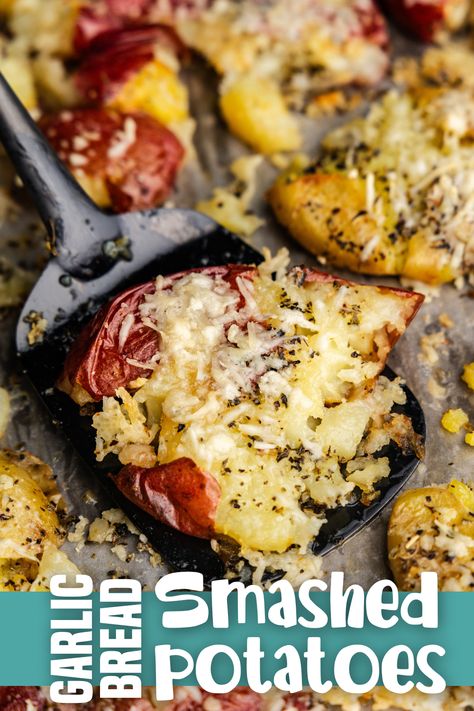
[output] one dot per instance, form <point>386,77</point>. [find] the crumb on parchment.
<point>454,420</point>
<point>111,527</point>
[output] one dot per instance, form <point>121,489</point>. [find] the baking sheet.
<point>363,558</point>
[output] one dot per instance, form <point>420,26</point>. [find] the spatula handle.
<point>76,227</point>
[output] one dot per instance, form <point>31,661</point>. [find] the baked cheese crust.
<point>271,386</point>
<point>391,193</point>
<point>432,529</point>
<point>275,56</point>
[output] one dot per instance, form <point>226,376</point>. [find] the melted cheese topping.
<point>415,152</point>
<point>30,529</point>
<point>436,533</point>
<point>323,44</point>
<point>267,386</point>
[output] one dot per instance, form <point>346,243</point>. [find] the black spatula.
<point>95,255</point>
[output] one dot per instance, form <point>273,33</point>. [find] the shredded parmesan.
<point>258,377</point>
<point>123,139</point>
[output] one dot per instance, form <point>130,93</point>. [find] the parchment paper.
<point>363,558</point>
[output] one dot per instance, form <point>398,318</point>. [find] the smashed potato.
<point>243,418</point>
<point>432,529</point>
<point>30,529</point>
<point>391,192</point>
<point>274,59</point>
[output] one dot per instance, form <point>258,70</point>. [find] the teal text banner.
<point>25,624</point>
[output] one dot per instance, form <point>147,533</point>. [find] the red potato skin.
<point>100,17</point>
<point>21,698</point>
<point>138,178</point>
<point>424,21</point>
<point>372,25</point>
<point>114,58</point>
<point>98,363</point>
<point>178,494</point>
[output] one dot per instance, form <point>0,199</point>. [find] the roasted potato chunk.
<point>390,192</point>
<point>256,112</point>
<point>136,70</point>
<point>123,161</point>
<point>432,529</point>
<point>30,528</point>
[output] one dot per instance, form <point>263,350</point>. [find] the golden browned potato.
<point>30,530</point>
<point>391,192</point>
<point>432,529</point>
<point>326,213</point>
<point>272,58</point>
<point>17,68</point>
<point>255,111</point>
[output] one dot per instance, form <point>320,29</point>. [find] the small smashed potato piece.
<point>123,161</point>
<point>432,529</point>
<point>468,375</point>
<point>454,420</point>
<point>255,111</point>
<point>390,193</point>
<point>230,206</point>
<point>30,530</point>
